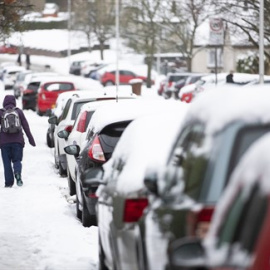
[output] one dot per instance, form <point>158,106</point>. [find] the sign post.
<point>216,37</point>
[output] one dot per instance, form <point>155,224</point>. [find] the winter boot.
<point>19,179</point>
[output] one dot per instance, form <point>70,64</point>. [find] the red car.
<point>48,93</point>
<point>109,77</point>
<point>8,49</point>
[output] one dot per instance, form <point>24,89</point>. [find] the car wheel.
<point>109,83</point>
<point>87,219</point>
<point>78,211</point>
<point>101,264</point>
<point>71,184</point>
<point>56,164</point>
<point>49,141</point>
<point>62,171</point>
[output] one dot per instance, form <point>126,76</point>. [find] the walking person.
<point>13,123</point>
<point>27,60</point>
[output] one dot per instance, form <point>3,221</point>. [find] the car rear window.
<point>110,135</point>
<point>76,108</point>
<point>58,86</point>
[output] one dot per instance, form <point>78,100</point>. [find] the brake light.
<point>28,91</point>
<point>82,122</point>
<point>134,209</point>
<point>199,222</point>
<point>95,151</point>
<point>69,128</point>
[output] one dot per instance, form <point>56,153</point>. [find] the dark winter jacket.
<point>8,103</point>
<point>229,78</point>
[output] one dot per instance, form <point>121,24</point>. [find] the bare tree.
<point>11,13</point>
<point>139,21</point>
<point>182,20</point>
<point>96,19</point>
<point>243,18</point>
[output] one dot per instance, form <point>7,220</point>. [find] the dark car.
<point>212,140</point>
<point>239,234</point>
<point>29,96</point>
<point>103,132</point>
<point>75,67</point>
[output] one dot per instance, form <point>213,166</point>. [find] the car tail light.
<point>69,128</point>
<point>134,209</point>
<point>82,122</point>
<point>28,91</point>
<point>199,222</point>
<point>95,151</point>
<point>92,195</point>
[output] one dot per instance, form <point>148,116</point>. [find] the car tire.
<point>78,211</point>
<point>108,83</point>
<point>101,263</point>
<point>71,184</point>
<point>61,170</point>
<point>87,219</point>
<point>49,141</point>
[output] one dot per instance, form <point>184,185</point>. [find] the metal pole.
<point>117,46</point>
<point>69,28</point>
<point>261,44</point>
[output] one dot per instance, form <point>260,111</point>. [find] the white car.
<point>9,75</point>
<point>67,119</point>
<point>78,135</point>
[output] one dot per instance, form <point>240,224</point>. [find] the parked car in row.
<point>216,133</point>
<point>75,67</point>
<point>48,92</point>
<point>239,234</point>
<point>122,197</point>
<point>20,81</point>
<point>9,75</point>
<point>105,129</point>
<point>68,116</point>
<point>30,90</point>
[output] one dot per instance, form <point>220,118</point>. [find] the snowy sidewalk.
<point>38,228</point>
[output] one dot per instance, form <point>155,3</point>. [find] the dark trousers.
<point>12,153</point>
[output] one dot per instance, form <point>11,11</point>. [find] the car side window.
<point>187,163</point>
<point>243,221</point>
<point>65,111</point>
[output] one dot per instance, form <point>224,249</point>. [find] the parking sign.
<point>216,32</point>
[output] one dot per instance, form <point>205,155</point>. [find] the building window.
<point>214,54</point>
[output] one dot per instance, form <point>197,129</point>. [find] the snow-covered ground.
<point>38,228</point>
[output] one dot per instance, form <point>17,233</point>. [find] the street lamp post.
<point>69,28</point>
<point>117,45</point>
<point>261,42</point>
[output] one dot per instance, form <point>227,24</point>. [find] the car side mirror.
<point>72,150</point>
<point>63,134</point>
<point>187,254</point>
<point>52,120</point>
<point>150,181</point>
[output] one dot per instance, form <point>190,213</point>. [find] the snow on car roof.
<point>224,104</point>
<point>128,110</point>
<point>146,143</point>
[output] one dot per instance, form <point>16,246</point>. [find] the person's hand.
<point>32,142</point>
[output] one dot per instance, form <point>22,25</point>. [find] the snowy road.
<point>39,229</point>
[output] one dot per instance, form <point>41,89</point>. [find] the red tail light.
<point>95,151</point>
<point>199,222</point>
<point>170,84</point>
<point>28,91</point>
<point>69,128</point>
<point>82,122</point>
<point>134,209</point>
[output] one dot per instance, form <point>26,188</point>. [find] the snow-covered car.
<point>20,81</point>
<point>104,130</point>
<point>9,75</point>
<point>239,234</point>
<point>67,119</point>
<point>78,136</point>
<point>145,144</point>
<point>188,92</point>
<point>57,111</point>
<point>216,132</point>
